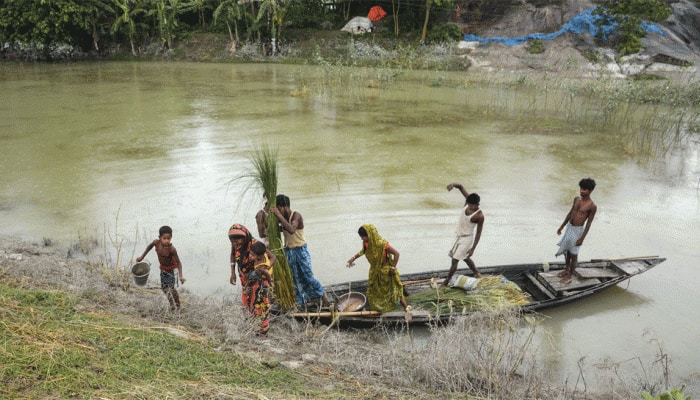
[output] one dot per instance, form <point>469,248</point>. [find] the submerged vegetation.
<point>648,118</point>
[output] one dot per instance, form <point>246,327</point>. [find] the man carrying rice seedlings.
<point>306,286</point>
<point>469,226</point>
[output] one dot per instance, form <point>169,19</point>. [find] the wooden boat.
<point>539,283</point>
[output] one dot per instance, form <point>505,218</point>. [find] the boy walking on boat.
<point>582,212</point>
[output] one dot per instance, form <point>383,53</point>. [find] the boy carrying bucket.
<point>169,262</point>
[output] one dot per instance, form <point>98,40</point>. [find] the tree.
<point>231,11</point>
<point>47,23</point>
<point>629,15</point>
<point>274,15</point>
<point>166,13</point>
<point>200,6</point>
<point>395,6</point>
<point>428,5</point>
<point>126,11</point>
<point>97,14</point>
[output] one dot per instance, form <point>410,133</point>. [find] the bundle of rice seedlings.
<point>491,293</point>
<point>264,160</point>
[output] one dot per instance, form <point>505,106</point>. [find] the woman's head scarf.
<point>375,248</point>
<point>238,230</point>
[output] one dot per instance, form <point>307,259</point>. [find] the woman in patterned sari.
<point>255,293</point>
<point>384,287</point>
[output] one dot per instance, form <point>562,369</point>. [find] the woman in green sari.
<point>384,287</point>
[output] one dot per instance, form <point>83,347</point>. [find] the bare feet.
<point>563,273</point>
<point>565,280</point>
<point>408,315</point>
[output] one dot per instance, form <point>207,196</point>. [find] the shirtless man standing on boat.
<point>582,212</point>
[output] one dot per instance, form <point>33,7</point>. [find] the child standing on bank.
<point>169,262</point>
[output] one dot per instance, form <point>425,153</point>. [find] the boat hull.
<point>539,281</point>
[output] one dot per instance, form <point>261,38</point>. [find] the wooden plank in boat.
<point>402,314</point>
<point>539,286</point>
<point>632,267</point>
<point>553,282</point>
<point>597,273</point>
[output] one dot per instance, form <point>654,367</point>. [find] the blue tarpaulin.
<point>585,22</point>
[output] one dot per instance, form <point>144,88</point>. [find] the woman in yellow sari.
<point>384,287</point>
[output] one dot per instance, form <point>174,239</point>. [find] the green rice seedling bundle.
<point>264,161</point>
<point>491,293</point>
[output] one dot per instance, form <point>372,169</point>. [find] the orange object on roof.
<point>376,13</point>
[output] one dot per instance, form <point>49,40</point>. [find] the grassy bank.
<point>69,332</point>
<point>52,349</point>
<point>76,329</point>
<point>312,48</point>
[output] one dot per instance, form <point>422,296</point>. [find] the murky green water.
<point>124,148</point>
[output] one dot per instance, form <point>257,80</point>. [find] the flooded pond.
<point>116,150</point>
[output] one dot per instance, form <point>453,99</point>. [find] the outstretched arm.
<point>458,186</point>
<point>148,248</point>
<point>352,259</point>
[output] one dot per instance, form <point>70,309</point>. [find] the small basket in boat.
<point>352,301</point>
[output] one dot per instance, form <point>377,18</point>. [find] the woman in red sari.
<point>255,293</point>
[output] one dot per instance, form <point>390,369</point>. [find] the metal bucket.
<point>140,272</point>
<point>352,301</point>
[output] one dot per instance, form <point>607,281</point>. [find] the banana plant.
<point>127,10</point>
<point>166,12</point>
<point>273,12</point>
<point>200,7</point>
<point>231,12</point>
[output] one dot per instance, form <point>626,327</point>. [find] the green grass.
<point>50,349</point>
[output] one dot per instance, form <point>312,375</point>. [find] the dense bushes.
<point>93,25</point>
<point>444,33</point>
